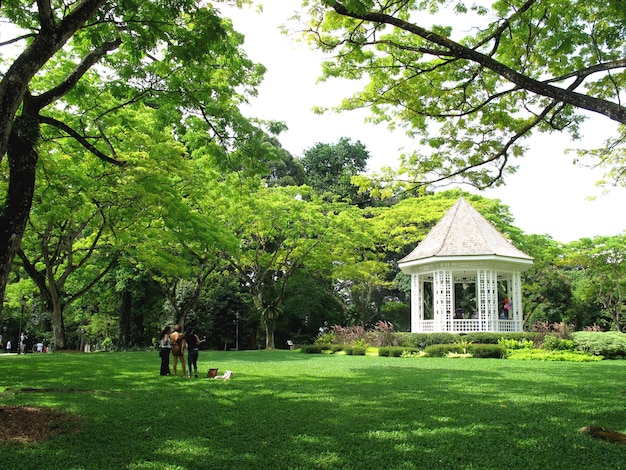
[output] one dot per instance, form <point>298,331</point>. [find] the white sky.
<point>547,195</point>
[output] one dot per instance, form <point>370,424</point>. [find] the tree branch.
<point>590,103</point>
<point>41,101</point>
<point>81,139</point>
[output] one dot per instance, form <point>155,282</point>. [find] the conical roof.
<point>463,231</point>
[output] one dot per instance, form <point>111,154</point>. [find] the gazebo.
<point>465,276</point>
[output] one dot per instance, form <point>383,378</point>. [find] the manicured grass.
<point>286,410</point>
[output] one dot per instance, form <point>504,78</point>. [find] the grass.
<point>286,410</point>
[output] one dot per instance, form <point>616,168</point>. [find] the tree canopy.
<point>71,67</point>
<point>526,66</point>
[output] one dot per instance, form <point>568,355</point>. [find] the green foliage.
<point>599,265</point>
<point>463,343</point>
<point>315,348</point>
<point>494,338</point>
<point>466,79</point>
<point>545,355</point>
<point>325,338</point>
<point>487,351</point>
<point>516,343</point>
<point>330,167</point>
<point>608,344</point>
<point>355,351</point>
<point>397,351</point>
<point>475,350</point>
<point>441,350</point>
<point>553,343</point>
<point>423,340</point>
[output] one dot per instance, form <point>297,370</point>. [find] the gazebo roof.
<point>464,232</point>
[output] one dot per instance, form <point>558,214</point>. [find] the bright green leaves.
<point>475,101</point>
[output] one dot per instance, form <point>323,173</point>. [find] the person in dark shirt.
<point>192,350</point>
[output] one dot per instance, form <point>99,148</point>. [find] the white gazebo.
<point>465,276</point>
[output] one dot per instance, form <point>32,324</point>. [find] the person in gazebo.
<point>458,314</point>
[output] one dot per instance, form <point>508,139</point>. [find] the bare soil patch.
<point>32,424</point>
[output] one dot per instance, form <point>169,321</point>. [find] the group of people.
<point>21,345</point>
<point>176,343</point>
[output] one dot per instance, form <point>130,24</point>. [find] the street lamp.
<point>19,337</point>
<point>237,331</point>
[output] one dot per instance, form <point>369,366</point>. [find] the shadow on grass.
<point>289,410</point>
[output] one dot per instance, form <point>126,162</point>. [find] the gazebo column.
<point>487,299</point>
<point>443,289</point>
<point>515,296</point>
<point>417,303</point>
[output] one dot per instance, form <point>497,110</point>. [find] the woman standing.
<point>166,346</point>
<point>192,350</point>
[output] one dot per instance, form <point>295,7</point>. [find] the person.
<point>22,344</point>
<point>178,349</point>
<point>192,340</point>
<point>39,347</point>
<point>8,346</point>
<point>165,344</point>
<point>458,314</point>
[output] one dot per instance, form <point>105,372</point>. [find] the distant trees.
<point>330,167</point>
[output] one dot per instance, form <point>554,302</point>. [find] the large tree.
<point>330,167</point>
<point>179,57</point>
<point>526,66</point>
<point>282,231</point>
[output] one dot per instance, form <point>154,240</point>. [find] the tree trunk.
<point>22,160</point>
<point>15,132</point>
<point>124,322</point>
<point>269,334</point>
<point>58,326</point>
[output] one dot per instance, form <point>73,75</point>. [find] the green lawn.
<point>287,410</point>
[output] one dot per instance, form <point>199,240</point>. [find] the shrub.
<point>315,348</point>
<point>476,350</point>
<point>516,343</point>
<point>325,338</point>
<point>348,334</point>
<point>441,350</point>
<point>552,343</point>
<point>545,355</point>
<point>493,351</point>
<point>610,344</point>
<point>384,335</point>
<point>562,330</point>
<point>396,351</point>
<point>356,351</point>
<point>423,340</point>
<point>495,337</point>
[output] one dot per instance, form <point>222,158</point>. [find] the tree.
<point>330,167</point>
<point>178,57</point>
<point>528,66</point>
<point>281,233</point>
<point>602,260</point>
<point>286,170</point>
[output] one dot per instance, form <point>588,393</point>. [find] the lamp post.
<point>19,337</point>
<point>237,331</point>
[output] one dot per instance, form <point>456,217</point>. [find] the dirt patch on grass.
<point>32,424</point>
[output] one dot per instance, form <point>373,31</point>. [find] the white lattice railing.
<point>465,326</point>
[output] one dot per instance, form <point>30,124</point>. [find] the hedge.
<point>476,350</point>
<point>610,344</point>
<point>396,351</point>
